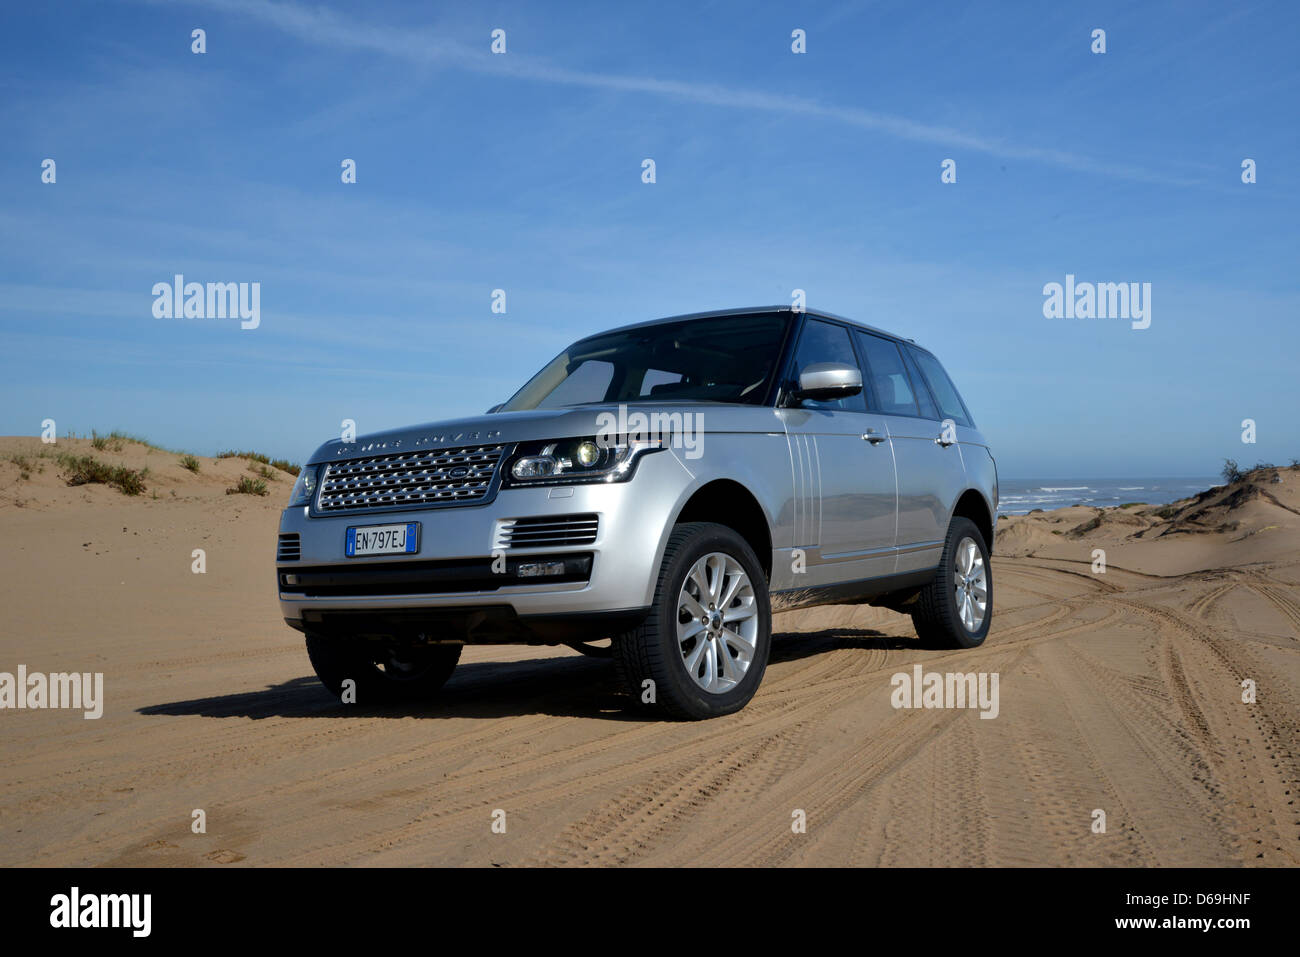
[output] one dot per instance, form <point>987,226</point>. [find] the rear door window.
<point>928,409</point>
<point>945,393</point>
<point>890,387</point>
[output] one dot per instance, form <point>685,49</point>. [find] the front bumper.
<point>474,583</point>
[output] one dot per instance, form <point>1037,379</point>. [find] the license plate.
<point>401,539</point>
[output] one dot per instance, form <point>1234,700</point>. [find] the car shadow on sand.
<point>564,687</point>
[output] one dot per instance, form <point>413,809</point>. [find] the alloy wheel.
<point>971,583</point>
<point>717,622</point>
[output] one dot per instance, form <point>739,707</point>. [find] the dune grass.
<point>248,486</point>
<point>251,456</point>
<point>259,458</point>
<point>116,441</point>
<point>113,442</point>
<point>29,462</point>
<point>88,470</point>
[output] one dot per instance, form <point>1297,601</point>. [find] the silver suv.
<point>667,486</point>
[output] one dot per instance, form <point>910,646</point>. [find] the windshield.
<point>723,359</point>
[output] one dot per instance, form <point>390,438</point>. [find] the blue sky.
<point>775,171</point>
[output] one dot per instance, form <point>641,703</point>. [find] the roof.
<point>750,311</point>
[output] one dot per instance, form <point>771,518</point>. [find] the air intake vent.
<point>290,549</point>
<point>548,532</point>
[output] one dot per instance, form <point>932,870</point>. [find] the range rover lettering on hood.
<point>352,448</point>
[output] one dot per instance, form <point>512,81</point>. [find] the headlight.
<point>574,461</point>
<point>304,489</point>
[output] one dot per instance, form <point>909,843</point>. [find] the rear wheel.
<point>702,649</point>
<point>956,608</point>
<point>381,673</point>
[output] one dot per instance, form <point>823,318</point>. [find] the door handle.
<point>873,437</point>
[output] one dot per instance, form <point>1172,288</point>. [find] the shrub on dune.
<point>248,486</point>
<point>88,470</point>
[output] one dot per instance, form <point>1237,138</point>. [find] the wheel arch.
<point>728,502</point>
<point>971,504</point>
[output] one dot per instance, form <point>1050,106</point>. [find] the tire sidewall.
<point>712,538</point>
<point>964,528</point>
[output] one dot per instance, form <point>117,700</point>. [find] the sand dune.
<point>1119,691</point>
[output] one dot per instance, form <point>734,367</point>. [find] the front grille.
<point>289,549</point>
<point>432,477</point>
<point>548,532</point>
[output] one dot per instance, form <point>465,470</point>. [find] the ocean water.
<point>1019,496</point>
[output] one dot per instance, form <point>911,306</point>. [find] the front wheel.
<point>955,609</point>
<point>702,649</point>
<point>380,674</point>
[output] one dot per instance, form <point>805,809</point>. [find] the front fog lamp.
<point>305,486</point>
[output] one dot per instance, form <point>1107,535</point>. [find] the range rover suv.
<point>653,494</point>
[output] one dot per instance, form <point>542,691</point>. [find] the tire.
<point>691,678</point>
<point>382,675</point>
<point>941,614</point>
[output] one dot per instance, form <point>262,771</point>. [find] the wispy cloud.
<point>324,27</point>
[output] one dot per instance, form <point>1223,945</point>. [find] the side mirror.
<point>494,408</point>
<point>828,380</point>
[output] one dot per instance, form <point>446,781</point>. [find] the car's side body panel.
<point>931,477</point>
<point>845,502</point>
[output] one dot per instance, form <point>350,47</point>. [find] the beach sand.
<point>1119,691</point>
